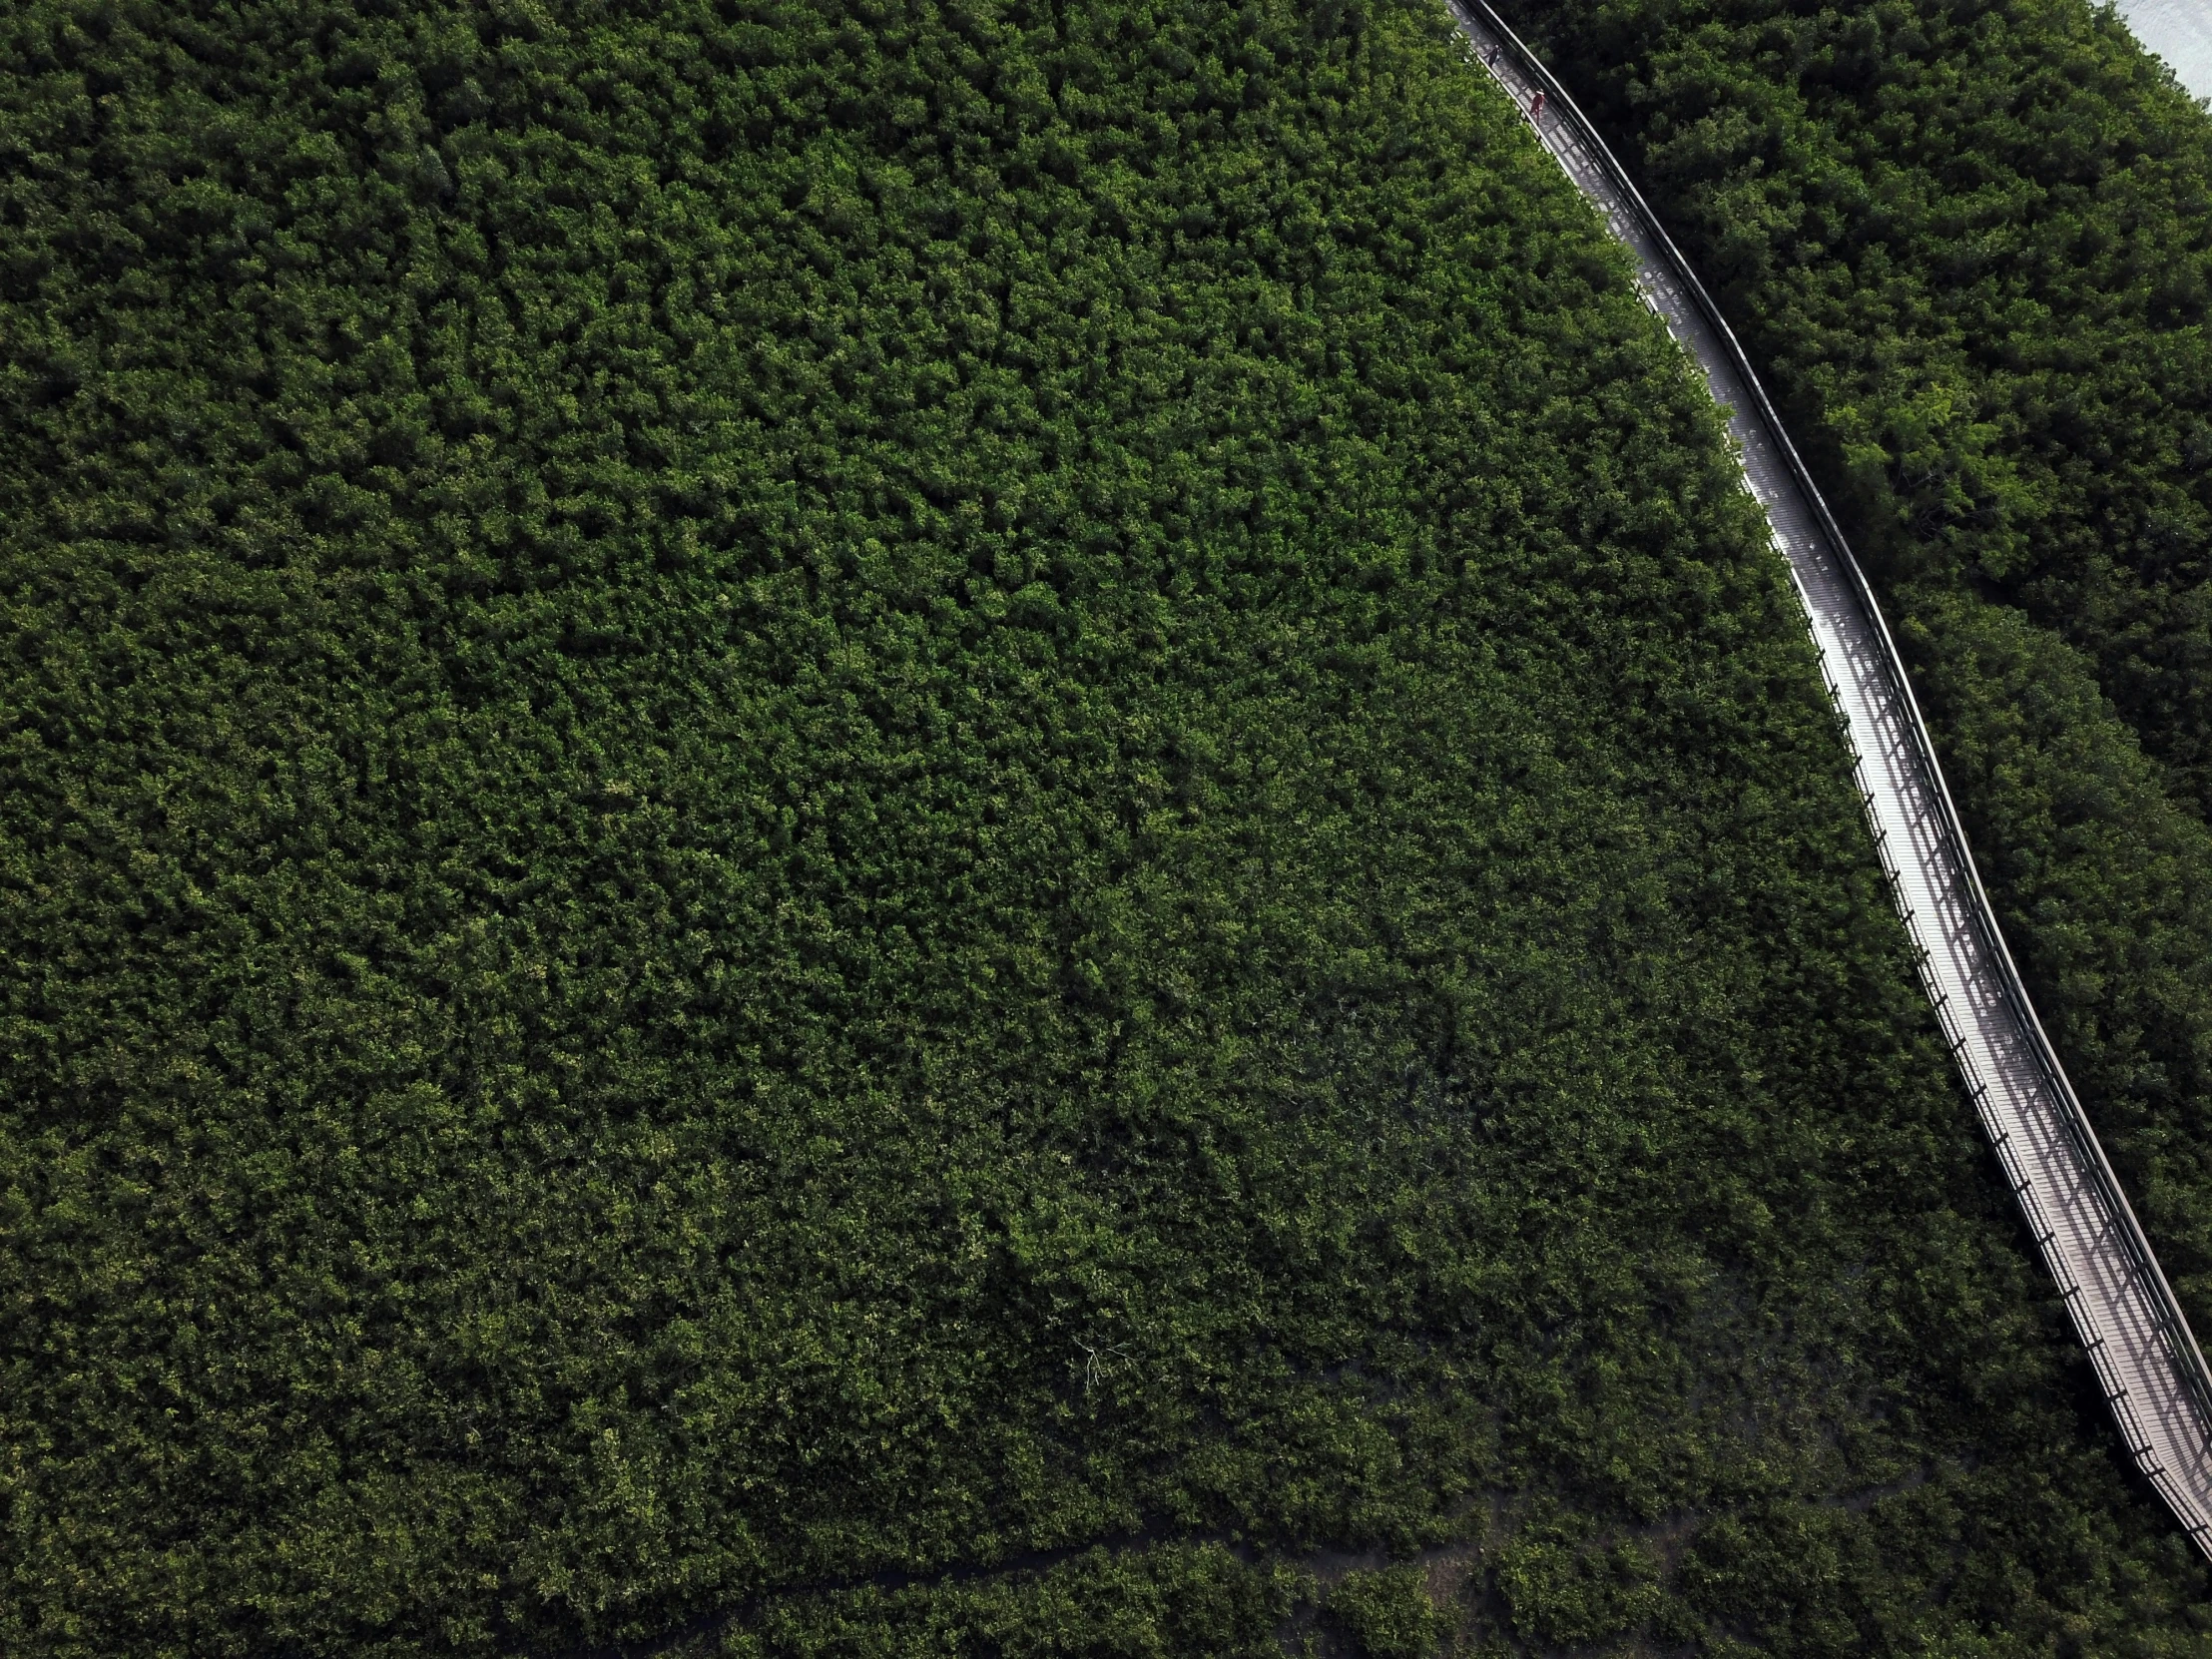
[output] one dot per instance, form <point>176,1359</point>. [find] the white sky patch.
<point>2181,31</point>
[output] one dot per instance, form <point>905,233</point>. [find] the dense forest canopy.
<point>902,827</point>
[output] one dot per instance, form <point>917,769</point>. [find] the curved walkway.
<point>2152,1374</point>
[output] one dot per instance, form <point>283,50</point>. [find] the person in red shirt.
<point>1537,105</point>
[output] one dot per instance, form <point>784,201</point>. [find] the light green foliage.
<point>1562,1590</point>
<point>1969,243</point>
<point>798,793</point>
<point>1386,1613</point>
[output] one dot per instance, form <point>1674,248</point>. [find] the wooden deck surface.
<point>2147,1363</point>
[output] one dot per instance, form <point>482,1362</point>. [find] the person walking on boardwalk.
<point>1537,105</point>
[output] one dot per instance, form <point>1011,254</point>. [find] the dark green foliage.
<point>1152,1604</point>
<point>792,793</point>
<point>1972,235</point>
<point>1969,244</point>
<point>1387,1614</point>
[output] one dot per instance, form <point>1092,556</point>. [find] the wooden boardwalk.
<point>2153,1377</point>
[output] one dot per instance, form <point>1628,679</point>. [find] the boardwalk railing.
<point>2131,1264</point>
